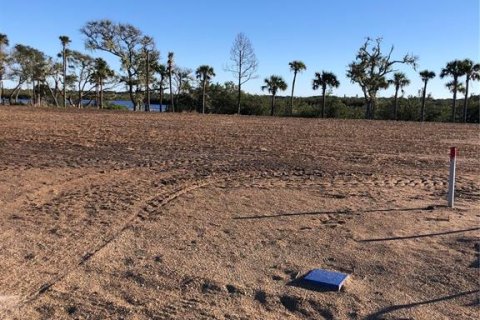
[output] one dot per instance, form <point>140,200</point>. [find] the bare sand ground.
<point>112,215</point>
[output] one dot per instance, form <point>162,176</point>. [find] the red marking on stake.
<point>453,152</point>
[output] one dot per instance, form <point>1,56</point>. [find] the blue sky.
<point>323,34</point>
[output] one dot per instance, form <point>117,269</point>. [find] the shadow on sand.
<point>380,314</point>
<point>313,213</point>
<point>419,235</point>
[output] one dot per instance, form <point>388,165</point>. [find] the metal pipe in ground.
<point>451,179</point>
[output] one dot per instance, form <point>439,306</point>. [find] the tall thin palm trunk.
<point>64,76</point>
<point>454,103</point>
<point>172,107</point>
<point>324,101</point>
<point>273,105</point>
<point>424,94</point>
<point>203,96</point>
<point>101,95</point>
<point>395,106</point>
<point>290,111</point>
<point>465,101</point>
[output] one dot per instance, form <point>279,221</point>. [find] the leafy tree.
<point>100,76</point>
<point>182,79</point>
<point>296,67</point>
<point>149,59</point>
<point>3,59</point>
<point>223,97</point>
<point>454,70</point>
<point>243,63</point>
<point>370,69</point>
<point>471,71</point>
<point>204,74</point>
<point>53,71</point>
<point>426,75</point>
<point>128,44</point>
<point>170,67</point>
<point>400,81</point>
<point>64,40</point>
<point>273,84</point>
<point>28,65</point>
<point>82,68</point>
<point>324,80</point>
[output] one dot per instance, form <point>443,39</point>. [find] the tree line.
<point>73,77</point>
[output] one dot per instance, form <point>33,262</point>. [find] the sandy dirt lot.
<point>113,215</point>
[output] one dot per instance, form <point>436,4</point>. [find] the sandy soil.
<point>159,216</point>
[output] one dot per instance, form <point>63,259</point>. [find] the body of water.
<point>124,103</point>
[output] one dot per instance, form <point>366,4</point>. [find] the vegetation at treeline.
<point>73,77</point>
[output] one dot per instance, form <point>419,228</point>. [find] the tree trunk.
<point>52,93</point>
<point>203,96</point>
<point>324,90</point>
<point>172,107</point>
<point>33,93</point>
<point>132,97</point>
<point>465,102</point>
<point>239,94</point>
<point>395,105</point>
<point>368,108</point>
<point>291,98</point>
<point>372,106</point>
<point>97,94</point>
<point>101,96</point>
<point>454,104</point>
<point>422,116</point>
<point>273,105</point>
<point>64,77</point>
<point>147,107</point>
<point>1,92</point>
<point>161,96</point>
<point>13,92</point>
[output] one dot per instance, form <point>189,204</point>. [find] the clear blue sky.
<point>323,34</point>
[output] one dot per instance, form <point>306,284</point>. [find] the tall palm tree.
<point>471,71</point>
<point>426,75</point>
<point>454,70</point>
<point>273,84</point>
<point>295,66</point>
<point>64,40</point>
<point>400,81</point>
<point>101,73</point>
<point>170,66</point>
<point>204,74</point>
<point>324,80</point>
<point>3,44</point>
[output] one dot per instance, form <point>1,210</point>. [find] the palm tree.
<point>295,66</point>
<point>170,67</point>
<point>324,80</point>
<point>454,70</point>
<point>471,72</point>
<point>64,40</point>
<point>400,81</point>
<point>102,72</point>
<point>3,44</point>
<point>273,84</point>
<point>426,75</point>
<point>204,74</point>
